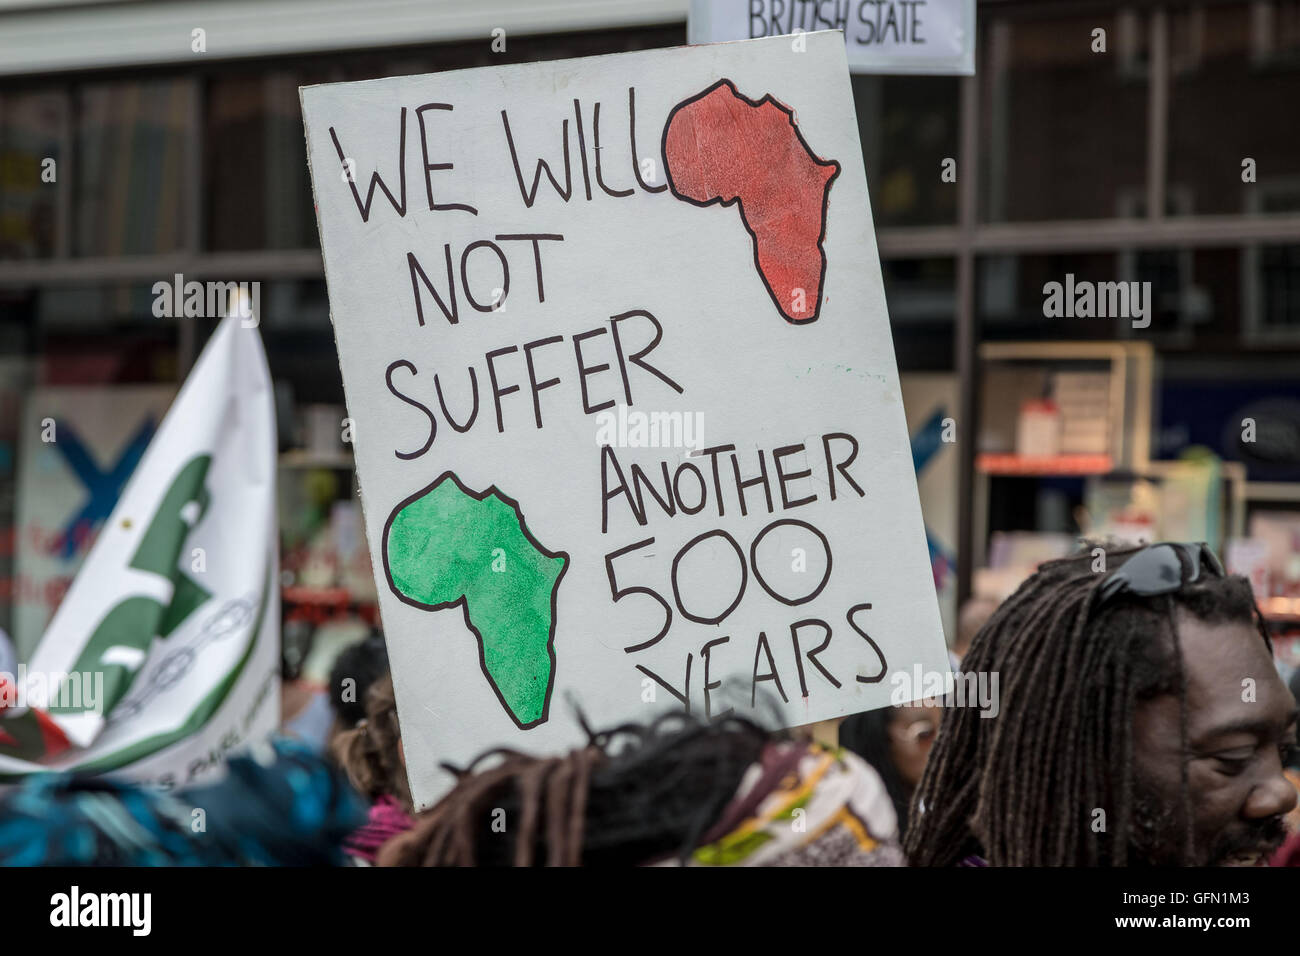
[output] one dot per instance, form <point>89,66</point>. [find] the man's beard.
<point>1157,837</point>
<point>1247,844</point>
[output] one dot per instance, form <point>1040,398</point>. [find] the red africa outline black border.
<point>717,200</point>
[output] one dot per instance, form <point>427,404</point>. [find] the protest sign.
<point>164,655</point>
<point>881,36</point>
<point>622,392</point>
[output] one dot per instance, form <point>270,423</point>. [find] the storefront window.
<point>1011,302</point>
<point>1232,65</point>
<point>909,126</point>
<point>1272,293</point>
<point>255,159</point>
<point>922,298</point>
<point>31,153</point>
<point>1063,129</point>
<point>133,167</point>
<point>1195,299</point>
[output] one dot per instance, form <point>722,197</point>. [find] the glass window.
<point>1271,295</point>
<point>1234,66</point>
<point>101,335</point>
<point>1212,300</point>
<point>31,157</point>
<point>299,340</point>
<point>922,299</point>
<point>133,167</point>
<point>909,126</point>
<point>1063,129</point>
<point>1011,296</point>
<point>255,160</point>
<point>1195,295</point>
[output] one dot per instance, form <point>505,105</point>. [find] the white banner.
<point>881,36</point>
<point>163,656</point>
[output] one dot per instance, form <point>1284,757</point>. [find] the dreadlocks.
<point>1021,789</point>
<point>631,795</point>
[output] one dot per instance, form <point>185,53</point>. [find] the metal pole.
<point>967,335</point>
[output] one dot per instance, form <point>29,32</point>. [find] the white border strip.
<point>55,37</point>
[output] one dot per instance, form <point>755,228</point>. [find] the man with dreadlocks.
<point>1142,722</point>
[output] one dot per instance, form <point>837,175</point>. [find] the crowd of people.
<point>1142,721</point>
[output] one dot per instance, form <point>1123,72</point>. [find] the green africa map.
<point>448,546</point>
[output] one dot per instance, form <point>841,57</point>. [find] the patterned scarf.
<point>804,804</point>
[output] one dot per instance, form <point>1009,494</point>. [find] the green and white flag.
<point>164,655</point>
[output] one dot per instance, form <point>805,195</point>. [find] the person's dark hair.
<point>632,795</point>
<point>370,752</point>
<point>363,663</point>
<point>1020,789</point>
<point>867,735</point>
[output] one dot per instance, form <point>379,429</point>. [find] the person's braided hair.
<point>1020,789</point>
<point>370,752</point>
<point>633,794</point>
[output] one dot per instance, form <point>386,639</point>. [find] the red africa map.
<point>722,147</point>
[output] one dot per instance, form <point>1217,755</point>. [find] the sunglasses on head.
<point>1164,568</point>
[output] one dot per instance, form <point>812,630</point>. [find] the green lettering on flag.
<point>134,622</point>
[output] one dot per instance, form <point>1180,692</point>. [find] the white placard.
<point>881,36</point>
<point>559,376</point>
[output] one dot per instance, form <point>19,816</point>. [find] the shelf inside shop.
<point>992,463</point>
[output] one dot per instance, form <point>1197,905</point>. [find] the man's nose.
<point>1273,797</point>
